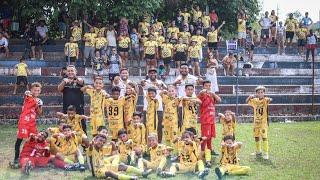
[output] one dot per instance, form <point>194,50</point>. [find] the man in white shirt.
<point>265,24</point>
<point>43,31</point>
<point>4,45</point>
<point>124,75</point>
<point>185,78</point>
<point>159,85</point>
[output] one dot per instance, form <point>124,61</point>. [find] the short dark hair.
<point>192,130</point>
<point>66,127</point>
<point>100,128</point>
<point>206,81</point>
<point>71,108</point>
<point>122,131</point>
<point>188,85</point>
<point>22,59</point>
<point>115,89</point>
<point>152,89</point>
<point>183,64</point>
<point>100,136</point>
<point>137,113</point>
<point>124,69</point>
<point>45,132</point>
<point>61,122</point>
<point>227,137</point>
<point>98,78</point>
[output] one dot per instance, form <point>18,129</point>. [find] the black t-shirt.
<point>72,95</point>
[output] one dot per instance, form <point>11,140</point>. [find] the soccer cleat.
<point>213,153</point>
<point>265,156</point>
<point>146,173</point>
<point>28,168</point>
<point>158,171</point>
<point>203,173</point>
<point>208,164</point>
<point>257,154</point>
<point>134,178</point>
<point>218,172</point>
<point>82,168</point>
<point>14,164</point>
<point>72,167</point>
<point>165,174</point>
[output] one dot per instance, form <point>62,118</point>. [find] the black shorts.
<point>301,42</point>
<point>250,47</point>
<point>72,59</point>
<point>264,33</point>
<point>180,56</point>
<point>22,79</point>
<point>289,35</point>
<point>123,49</point>
<point>166,60</point>
<point>2,49</point>
<point>150,56</point>
<point>112,76</point>
<point>213,45</point>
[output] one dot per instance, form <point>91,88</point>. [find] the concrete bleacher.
<point>288,80</point>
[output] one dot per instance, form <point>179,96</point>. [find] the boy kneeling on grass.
<point>229,163</point>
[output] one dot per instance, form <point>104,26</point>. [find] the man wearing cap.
<point>152,81</point>
<point>185,78</point>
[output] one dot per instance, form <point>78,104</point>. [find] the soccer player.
<point>260,103</point>
<point>170,116</point>
<point>158,155</point>
<point>115,106</point>
<point>190,108</point>
<point>188,159</point>
<point>207,119</point>
<point>54,144</point>
<point>32,106</point>
<point>68,150</point>
<point>97,96</point>
<point>229,163</point>
<point>228,121</point>
<point>21,71</point>
<point>131,102</point>
<point>125,147</point>
<point>152,113</point>
<point>103,169</point>
<point>74,120</point>
<point>137,132</point>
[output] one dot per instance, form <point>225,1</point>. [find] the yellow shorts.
<point>183,168</point>
<point>95,122</point>
<point>114,131</point>
<point>260,132</point>
<point>154,165</point>
<point>170,131</point>
<point>101,172</point>
<point>114,160</point>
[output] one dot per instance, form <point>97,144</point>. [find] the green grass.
<point>294,154</point>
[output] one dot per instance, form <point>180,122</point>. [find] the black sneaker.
<point>146,173</point>
<point>28,168</point>
<point>134,178</point>
<point>218,172</point>
<point>203,173</point>
<point>208,164</point>
<point>72,167</point>
<point>82,168</point>
<point>165,174</point>
<point>14,164</point>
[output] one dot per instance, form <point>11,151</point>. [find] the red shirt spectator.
<point>213,16</point>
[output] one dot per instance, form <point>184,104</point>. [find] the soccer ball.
<point>39,102</point>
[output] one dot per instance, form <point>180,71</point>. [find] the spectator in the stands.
<point>111,38</point>
<point>281,31</point>
<point>228,65</point>
<point>114,63</point>
<point>71,51</point>
<point>241,28</point>
<point>249,43</point>
<point>211,73</point>
<point>6,15</point>
<point>214,18</point>
<point>36,45</point>
<point>301,33</point>
<point>196,13</point>
<point>179,20</point>
<point>311,44</point>
<point>273,28</point>
<point>101,44</point>
<point>43,31</point>
<point>72,95</point>
<point>63,22</point>
<point>123,26</point>
<point>4,45</point>
<point>306,21</point>
<point>265,23</point>
<point>21,71</point>
<point>28,34</point>
<point>135,37</point>
<point>89,46</point>
<point>206,22</point>
<point>291,24</point>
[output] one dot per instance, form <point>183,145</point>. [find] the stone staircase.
<point>288,80</point>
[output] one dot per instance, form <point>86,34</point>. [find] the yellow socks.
<point>258,147</point>
<point>124,177</point>
<point>163,162</point>
<point>207,155</point>
<point>80,159</point>
<point>134,170</point>
<point>265,146</point>
<point>200,165</point>
<point>68,161</point>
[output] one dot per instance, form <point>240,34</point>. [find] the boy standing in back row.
<point>260,119</point>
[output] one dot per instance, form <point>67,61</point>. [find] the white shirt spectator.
<point>4,42</point>
<point>265,22</point>
<point>159,85</point>
<point>111,37</point>
<point>43,30</point>
<point>190,79</point>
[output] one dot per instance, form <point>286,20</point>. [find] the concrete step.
<point>224,89</point>
<point>225,99</point>
<point>222,80</point>
<point>284,110</point>
<point>135,71</point>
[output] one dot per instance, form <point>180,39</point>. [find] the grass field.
<point>294,154</point>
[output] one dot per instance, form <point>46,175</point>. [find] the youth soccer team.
<point>128,147</point>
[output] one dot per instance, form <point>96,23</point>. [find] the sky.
<point>287,6</point>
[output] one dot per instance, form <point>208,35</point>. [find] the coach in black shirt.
<point>72,95</point>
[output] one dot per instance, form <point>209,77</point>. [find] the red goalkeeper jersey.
<point>207,109</point>
<point>35,149</point>
<point>29,113</point>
